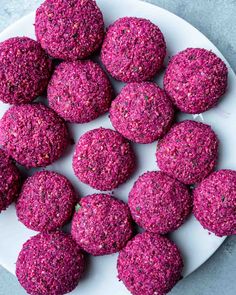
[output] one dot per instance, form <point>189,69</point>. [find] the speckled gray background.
<point>217,20</point>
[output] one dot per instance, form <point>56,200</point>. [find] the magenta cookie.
<point>188,152</point>
<point>102,224</point>
<point>25,70</point>
<point>133,50</point>
<point>9,181</point>
<point>50,263</point>
<point>69,30</point>
<point>33,135</point>
<point>149,264</point>
<point>46,201</point>
<point>86,94</point>
<point>103,159</point>
<point>142,112</point>
<point>195,80</point>
<point>215,203</point>
<point>159,203</point>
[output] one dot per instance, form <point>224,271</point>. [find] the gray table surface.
<point>216,19</point>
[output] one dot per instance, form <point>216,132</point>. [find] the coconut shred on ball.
<point>159,203</point>
<point>50,264</point>
<point>149,264</point>
<point>46,201</point>
<point>80,91</point>
<point>102,224</point>
<point>69,30</point>
<point>103,159</point>
<point>195,80</point>
<point>10,181</point>
<point>133,49</point>
<point>142,112</point>
<point>33,135</point>
<point>215,203</point>
<point>25,70</point>
<point>188,152</point>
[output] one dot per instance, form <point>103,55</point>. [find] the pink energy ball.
<point>142,112</point>
<point>215,203</point>
<point>34,135</point>
<point>149,264</point>
<point>159,203</point>
<point>188,152</point>
<point>69,30</point>
<point>25,70</point>
<point>103,159</point>
<point>10,181</point>
<point>50,263</point>
<point>102,224</point>
<point>46,201</point>
<point>133,50</point>
<point>80,91</point>
<point>195,80</point>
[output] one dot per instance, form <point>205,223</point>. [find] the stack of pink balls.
<point>132,50</point>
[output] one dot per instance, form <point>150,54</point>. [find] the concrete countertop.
<point>216,19</point>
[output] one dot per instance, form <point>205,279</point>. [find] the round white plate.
<point>195,243</point>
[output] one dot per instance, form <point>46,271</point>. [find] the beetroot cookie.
<point>195,80</point>
<point>102,224</point>
<point>46,201</point>
<point>149,264</point>
<point>80,91</point>
<point>133,50</point>
<point>188,152</point>
<point>215,203</point>
<point>25,70</point>
<point>9,181</point>
<point>103,159</point>
<point>50,264</point>
<point>142,112</point>
<point>159,203</point>
<point>33,135</point>
<point>69,30</point>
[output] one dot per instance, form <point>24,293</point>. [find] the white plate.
<point>196,244</point>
